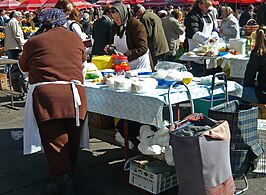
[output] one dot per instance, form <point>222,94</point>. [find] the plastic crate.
<point>261,166</point>
<point>153,183</point>
<point>202,105</point>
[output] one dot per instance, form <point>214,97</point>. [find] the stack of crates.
<point>261,166</point>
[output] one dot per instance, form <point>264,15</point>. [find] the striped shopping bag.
<point>244,146</point>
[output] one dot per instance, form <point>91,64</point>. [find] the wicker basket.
<point>249,28</point>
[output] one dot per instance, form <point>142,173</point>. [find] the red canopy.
<point>108,2</point>
<point>30,5</point>
<point>9,4</point>
<point>78,3</point>
<point>155,3</point>
<point>181,2</point>
<point>241,1</point>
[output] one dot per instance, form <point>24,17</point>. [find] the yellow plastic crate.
<point>103,62</point>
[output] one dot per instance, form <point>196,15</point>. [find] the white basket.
<point>261,166</point>
<point>153,183</point>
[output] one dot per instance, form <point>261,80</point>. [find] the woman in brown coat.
<point>54,66</point>
<point>129,37</point>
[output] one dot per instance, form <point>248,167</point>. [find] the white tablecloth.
<point>147,107</point>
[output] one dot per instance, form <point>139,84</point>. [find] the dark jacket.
<point>194,22</point>
<point>156,38</point>
<point>261,15</point>
<point>136,37</point>
<point>101,35</point>
<point>256,64</point>
<point>245,16</point>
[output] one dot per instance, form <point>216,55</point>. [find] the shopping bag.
<point>202,156</point>
<point>244,147</point>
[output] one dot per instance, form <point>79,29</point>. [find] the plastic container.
<point>160,82</point>
<point>169,83</point>
<point>102,62</point>
<point>223,53</point>
<point>239,45</point>
<point>153,183</point>
<point>119,67</point>
<point>144,74</point>
<point>119,59</point>
<point>107,71</point>
<point>202,105</point>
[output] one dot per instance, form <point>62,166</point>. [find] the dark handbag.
<point>87,43</point>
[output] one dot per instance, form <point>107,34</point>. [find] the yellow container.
<point>103,62</point>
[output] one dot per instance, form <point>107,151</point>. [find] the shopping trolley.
<point>202,160</point>
<point>244,147</point>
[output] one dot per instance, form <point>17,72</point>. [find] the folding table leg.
<point>126,139</point>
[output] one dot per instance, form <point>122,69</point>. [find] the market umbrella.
<point>9,4</point>
<point>241,1</point>
<point>30,5</point>
<point>133,2</point>
<point>153,3</point>
<point>78,3</point>
<point>104,2</point>
<point>181,2</point>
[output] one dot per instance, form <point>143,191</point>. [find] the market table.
<point>146,108</point>
<point>10,92</point>
<point>238,63</point>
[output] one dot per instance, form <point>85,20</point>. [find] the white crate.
<point>153,183</point>
<point>261,166</point>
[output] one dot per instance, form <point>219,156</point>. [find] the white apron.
<point>207,31</point>
<point>31,137</point>
<point>139,63</point>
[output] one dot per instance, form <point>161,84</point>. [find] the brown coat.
<point>55,55</point>
<point>136,37</point>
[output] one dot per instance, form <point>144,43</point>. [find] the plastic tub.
<point>107,71</point>
<point>161,82</point>
<point>119,59</point>
<point>144,74</point>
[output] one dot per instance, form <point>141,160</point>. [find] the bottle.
<point>247,45</point>
<point>253,38</point>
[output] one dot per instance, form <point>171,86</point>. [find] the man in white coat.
<point>14,41</point>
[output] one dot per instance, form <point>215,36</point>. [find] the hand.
<point>106,48</point>
<point>119,53</point>
<point>212,40</point>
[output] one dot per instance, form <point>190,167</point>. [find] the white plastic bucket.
<point>239,45</point>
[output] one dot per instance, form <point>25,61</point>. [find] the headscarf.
<point>52,17</point>
<point>123,11</point>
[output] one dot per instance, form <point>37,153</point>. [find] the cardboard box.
<point>3,82</point>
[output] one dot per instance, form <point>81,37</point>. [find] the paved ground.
<point>99,171</point>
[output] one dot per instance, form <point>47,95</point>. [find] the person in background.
<point>73,24</point>
<point>172,29</point>
<point>246,15</point>
<point>261,13</point>
<point>35,18</point>
<point>101,32</point>
<point>56,99</point>
<point>14,41</point>
<point>129,37</point>
<point>157,42</point>
<point>3,20</point>
<point>85,24</point>
<point>256,68</point>
<point>65,5</point>
<point>200,30</point>
<point>229,28</point>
